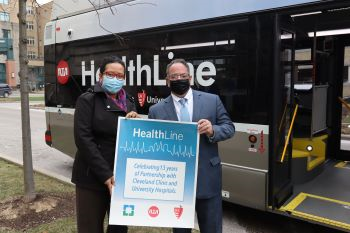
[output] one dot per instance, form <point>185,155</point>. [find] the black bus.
<point>279,67</point>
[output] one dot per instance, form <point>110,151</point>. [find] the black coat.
<point>95,130</point>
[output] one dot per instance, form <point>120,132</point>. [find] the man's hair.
<point>178,60</point>
<point>108,60</point>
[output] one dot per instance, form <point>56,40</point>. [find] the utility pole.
<point>29,192</point>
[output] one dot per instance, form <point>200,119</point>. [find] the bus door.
<point>320,180</point>
<point>50,76</point>
<point>345,102</point>
<point>282,112</point>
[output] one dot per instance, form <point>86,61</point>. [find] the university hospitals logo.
<point>178,211</point>
<point>128,210</point>
<point>142,97</point>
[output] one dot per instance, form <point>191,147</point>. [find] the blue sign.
<point>156,173</point>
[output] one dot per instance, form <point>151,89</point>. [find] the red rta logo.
<point>153,211</point>
<point>62,72</point>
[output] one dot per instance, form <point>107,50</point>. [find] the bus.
<point>281,68</point>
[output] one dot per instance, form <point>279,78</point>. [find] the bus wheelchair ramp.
<point>343,164</point>
<point>320,209</point>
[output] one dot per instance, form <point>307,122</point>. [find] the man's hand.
<point>110,184</point>
<point>132,114</point>
<point>205,126</point>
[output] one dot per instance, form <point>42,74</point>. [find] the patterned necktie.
<point>184,114</point>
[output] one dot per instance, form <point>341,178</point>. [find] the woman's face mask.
<point>111,84</point>
<point>113,78</point>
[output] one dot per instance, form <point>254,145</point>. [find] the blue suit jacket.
<point>205,106</point>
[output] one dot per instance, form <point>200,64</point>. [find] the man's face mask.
<point>179,86</point>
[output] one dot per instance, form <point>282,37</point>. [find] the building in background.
<point>7,33</point>
<point>37,17</point>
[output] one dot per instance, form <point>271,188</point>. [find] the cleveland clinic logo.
<point>128,210</point>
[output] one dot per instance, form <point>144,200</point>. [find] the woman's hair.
<point>110,59</point>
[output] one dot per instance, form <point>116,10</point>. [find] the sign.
<point>156,173</point>
<point>62,72</point>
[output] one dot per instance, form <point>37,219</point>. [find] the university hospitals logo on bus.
<point>62,72</point>
<point>153,211</point>
<point>142,97</point>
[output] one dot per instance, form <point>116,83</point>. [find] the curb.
<point>38,170</point>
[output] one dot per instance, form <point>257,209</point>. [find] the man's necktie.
<point>184,114</point>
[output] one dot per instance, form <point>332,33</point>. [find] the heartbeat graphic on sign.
<point>140,148</point>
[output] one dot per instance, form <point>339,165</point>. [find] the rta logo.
<point>153,211</point>
<point>62,72</point>
<point>142,97</point>
<point>178,211</point>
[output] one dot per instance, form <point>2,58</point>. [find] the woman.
<point>95,130</point>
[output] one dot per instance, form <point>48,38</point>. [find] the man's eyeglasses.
<point>114,75</point>
<point>178,76</point>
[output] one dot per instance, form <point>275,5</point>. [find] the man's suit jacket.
<point>205,106</point>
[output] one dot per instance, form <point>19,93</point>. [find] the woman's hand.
<point>132,114</point>
<point>110,183</point>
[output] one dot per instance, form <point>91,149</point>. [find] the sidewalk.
<point>36,99</point>
<point>37,169</point>
<point>46,160</point>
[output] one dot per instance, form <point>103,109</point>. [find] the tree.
<point>29,190</point>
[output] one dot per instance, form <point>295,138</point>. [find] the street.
<point>47,160</point>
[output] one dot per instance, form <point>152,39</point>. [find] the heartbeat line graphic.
<point>140,148</point>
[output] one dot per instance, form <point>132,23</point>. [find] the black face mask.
<point>180,86</point>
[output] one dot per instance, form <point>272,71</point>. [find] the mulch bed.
<point>47,207</point>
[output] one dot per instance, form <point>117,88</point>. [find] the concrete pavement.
<point>43,171</point>
<point>46,160</point>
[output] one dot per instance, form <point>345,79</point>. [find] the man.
<point>214,125</point>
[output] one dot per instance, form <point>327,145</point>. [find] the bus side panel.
<point>245,166</point>
<point>61,124</point>
<point>244,187</point>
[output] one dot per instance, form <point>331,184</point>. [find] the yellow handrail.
<point>344,103</point>
<point>289,132</point>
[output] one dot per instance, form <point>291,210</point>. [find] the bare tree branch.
<point>140,3</point>
<point>110,6</point>
<point>119,38</point>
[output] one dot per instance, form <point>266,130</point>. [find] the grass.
<point>11,185</point>
<point>16,99</point>
<point>11,182</point>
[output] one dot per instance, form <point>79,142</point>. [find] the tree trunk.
<point>29,192</point>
